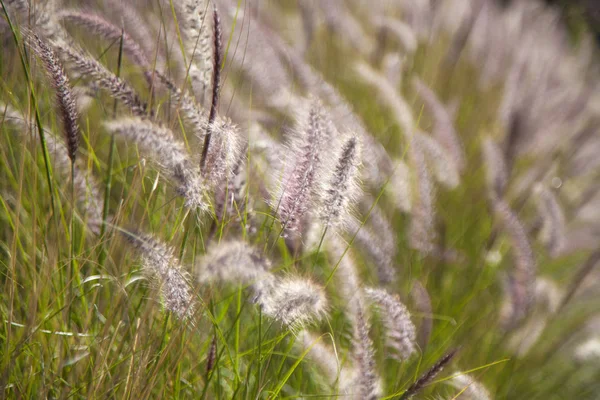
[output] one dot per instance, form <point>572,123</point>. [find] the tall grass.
<point>352,199</point>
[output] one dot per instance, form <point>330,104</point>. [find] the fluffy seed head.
<point>87,66</point>
<point>553,220</point>
<point>303,162</point>
<point>66,102</point>
<point>169,153</point>
<point>443,129</point>
<point>367,381</point>
<point>470,388</point>
<point>521,285</point>
<point>233,261</point>
<point>291,301</point>
<point>495,166</point>
<point>341,187</point>
<point>159,262</point>
<point>400,331</point>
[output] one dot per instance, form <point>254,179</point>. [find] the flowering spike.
<point>169,153</point>
<point>401,332</point>
<point>341,187</point>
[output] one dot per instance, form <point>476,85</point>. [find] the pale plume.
<point>341,188</point>
<point>303,163</point>
<point>160,263</point>
<point>169,153</point>
<point>553,232</point>
<point>400,331</point>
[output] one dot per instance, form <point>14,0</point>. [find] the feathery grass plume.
<point>340,20</point>
<point>212,355</point>
<point>341,188</point>
<point>96,24</point>
<point>195,118</point>
<point>233,261</point>
<point>229,198</point>
<point>87,66</point>
<point>521,285</point>
<point>292,301</point>
<point>375,158</point>
<point>377,239</point>
<point>399,186</point>
<point>66,103</point>
<point>216,82</point>
<point>393,67</point>
<point>553,220</point>
<point>422,225</point>
<point>137,27</point>
<point>470,389</point>
<point>444,168</point>
<point>382,255</point>
<point>546,301</point>
<point>159,262</point>
<point>42,19</point>
<point>367,383</point>
<point>346,274</point>
<point>428,376</point>
<point>495,167</point>
<point>401,31</point>
<point>443,129</point>
<point>196,29</point>
<point>400,331</point>
<point>87,189</point>
<point>393,99</point>
<point>327,361</point>
<point>422,305</point>
<point>303,160</point>
<point>223,154</point>
<point>169,153</point>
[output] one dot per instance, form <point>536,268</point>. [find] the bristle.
<point>444,169</point>
<point>292,301</point>
<point>198,38</point>
<point>99,26</point>
<point>553,220</point>
<point>159,262</point>
<point>367,383</point>
<point>327,360</point>
<point>223,154</point>
<point>495,166</point>
<point>195,118</point>
<point>340,190</point>
<point>422,305</point>
<point>522,278</point>
<point>303,162</point>
<point>376,248</point>
<point>233,262</point>
<point>399,186</point>
<point>470,389</point>
<point>443,129</point>
<point>422,224</point>
<point>168,153</point>
<point>86,66</point>
<point>400,331</point>
<point>400,108</point>
<point>428,376</point>
<point>66,102</point>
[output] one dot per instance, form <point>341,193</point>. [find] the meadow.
<point>244,199</point>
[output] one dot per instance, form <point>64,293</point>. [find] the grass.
<point>81,318</point>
